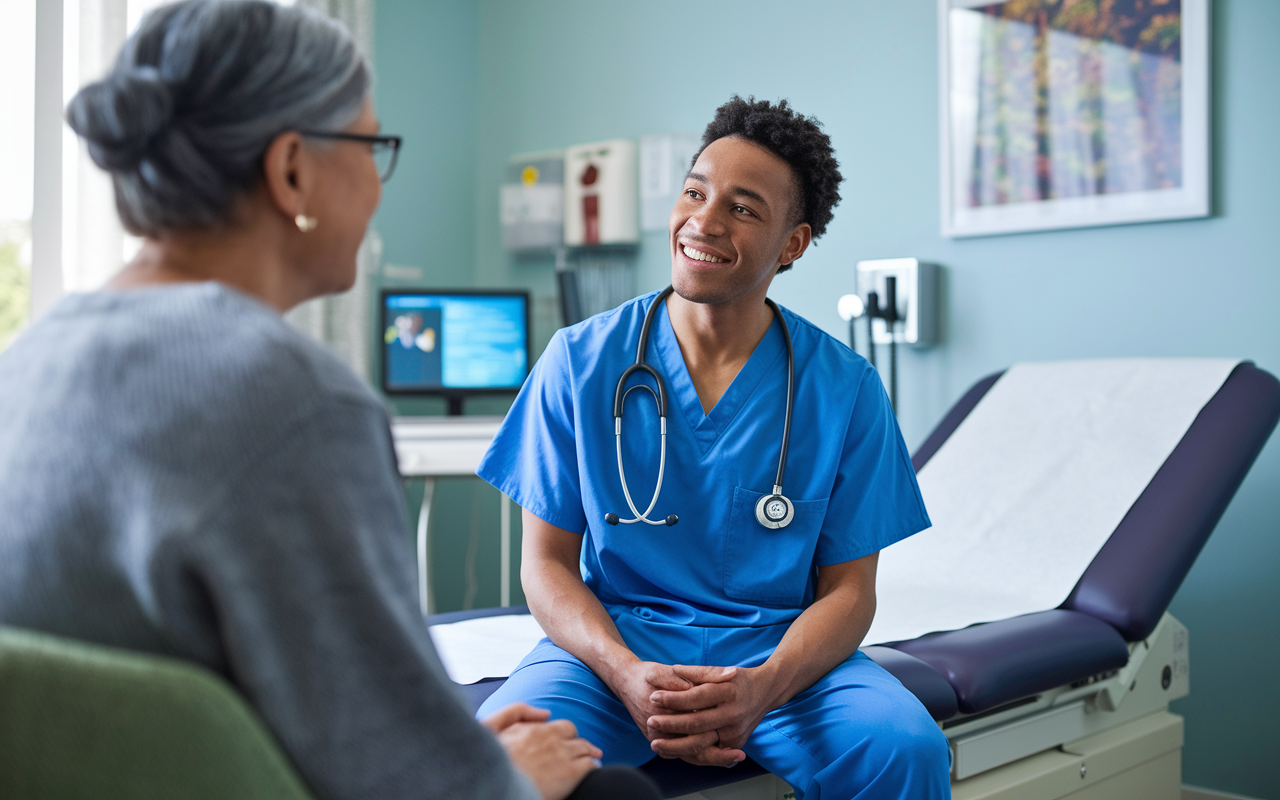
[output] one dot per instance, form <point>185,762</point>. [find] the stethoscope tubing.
<point>660,398</point>
<point>791,390</point>
<point>662,468</point>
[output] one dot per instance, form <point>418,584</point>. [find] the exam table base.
<point>1140,759</point>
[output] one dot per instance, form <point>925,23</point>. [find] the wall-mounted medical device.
<point>897,301</point>
<point>916,300</point>
<point>600,194</point>
<point>532,202</point>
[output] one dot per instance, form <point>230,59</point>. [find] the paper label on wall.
<point>664,162</point>
<point>536,204</point>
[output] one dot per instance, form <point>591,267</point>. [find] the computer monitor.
<point>454,343</point>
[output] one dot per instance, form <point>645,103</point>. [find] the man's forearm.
<point>567,610</point>
<point>823,636</point>
<point>575,620</point>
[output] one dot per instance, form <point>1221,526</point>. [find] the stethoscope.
<point>773,510</point>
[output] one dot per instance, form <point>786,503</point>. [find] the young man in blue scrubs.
<point>717,638</point>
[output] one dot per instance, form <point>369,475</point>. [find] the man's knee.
<point>896,758</point>
<point>924,744</point>
<point>916,752</point>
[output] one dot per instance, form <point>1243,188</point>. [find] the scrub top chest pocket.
<point>771,566</point>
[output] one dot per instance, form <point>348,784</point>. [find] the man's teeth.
<point>701,256</point>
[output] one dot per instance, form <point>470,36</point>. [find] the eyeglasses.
<point>386,149</point>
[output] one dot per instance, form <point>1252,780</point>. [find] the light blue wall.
<point>426,89</point>
<point>552,74</point>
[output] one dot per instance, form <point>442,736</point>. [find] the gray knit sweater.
<point>182,473</point>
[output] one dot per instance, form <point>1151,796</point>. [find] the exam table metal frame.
<point>1028,700</point>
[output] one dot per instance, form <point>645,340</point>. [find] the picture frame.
<point>1059,114</point>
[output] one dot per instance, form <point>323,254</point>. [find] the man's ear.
<point>797,243</point>
<point>287,171</point>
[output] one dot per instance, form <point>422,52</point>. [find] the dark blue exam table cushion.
<point>1135,575</point>
<point>922,680</point>
<point>993,664</point>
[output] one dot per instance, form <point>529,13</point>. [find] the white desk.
<point>435,447</point>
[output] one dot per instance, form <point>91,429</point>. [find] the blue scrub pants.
<point>856,733</point>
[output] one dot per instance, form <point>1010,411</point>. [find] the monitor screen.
<point>454,342</point>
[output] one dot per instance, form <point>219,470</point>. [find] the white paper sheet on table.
<point>1029,487</point>
<point>1022,496</point>
<point>487,647</point>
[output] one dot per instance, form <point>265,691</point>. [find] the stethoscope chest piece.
<point>775,511</point>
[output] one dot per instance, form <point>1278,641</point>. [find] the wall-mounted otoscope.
<point>888,313</point>
<point>909,315</point>
<point>852,307</point>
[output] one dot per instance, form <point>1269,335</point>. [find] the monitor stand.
<point>455,406</point>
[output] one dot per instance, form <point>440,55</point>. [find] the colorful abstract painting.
<point>1053,100</point>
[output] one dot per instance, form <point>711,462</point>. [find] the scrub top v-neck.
<point>849,474</point>
<point>706,427</point>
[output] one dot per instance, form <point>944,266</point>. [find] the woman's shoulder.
<point>202,350</point>
<point>276,354</point>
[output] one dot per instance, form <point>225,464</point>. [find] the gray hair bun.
<point>198,93</point>
<point>121,116</point>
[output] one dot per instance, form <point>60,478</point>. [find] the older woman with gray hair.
<point>182,473</point>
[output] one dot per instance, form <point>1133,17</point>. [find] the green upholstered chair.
<point>85,721</point>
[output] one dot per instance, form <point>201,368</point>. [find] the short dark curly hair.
<point>797,140</point>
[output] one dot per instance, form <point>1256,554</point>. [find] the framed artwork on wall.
<point>1072,113</point>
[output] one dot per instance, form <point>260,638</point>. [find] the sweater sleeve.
<point>301,579</point>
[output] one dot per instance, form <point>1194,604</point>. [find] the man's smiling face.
<point>734,223</point>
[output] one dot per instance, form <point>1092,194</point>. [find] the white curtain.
<point>93,241</point>
<point>344,322</point>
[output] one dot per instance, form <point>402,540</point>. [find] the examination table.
<point>1071,701</point>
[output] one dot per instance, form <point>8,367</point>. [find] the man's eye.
<point>741,210</point>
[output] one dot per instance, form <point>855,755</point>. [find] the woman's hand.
<point>551,754</point>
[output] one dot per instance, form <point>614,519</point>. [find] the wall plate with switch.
<point>917,290</point>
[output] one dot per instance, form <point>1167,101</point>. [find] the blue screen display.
<point>455,341</point>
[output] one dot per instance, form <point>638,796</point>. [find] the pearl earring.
<point>306,224</point>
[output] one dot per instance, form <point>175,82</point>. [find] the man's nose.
<point>709,220</point>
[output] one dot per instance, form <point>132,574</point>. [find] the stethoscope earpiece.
<point>773,511</point>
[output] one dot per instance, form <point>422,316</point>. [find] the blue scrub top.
<point>848,471</point>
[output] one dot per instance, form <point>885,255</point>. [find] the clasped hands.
<point>702,715</point>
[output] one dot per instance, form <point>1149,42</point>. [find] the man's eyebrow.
<point>740,191</point>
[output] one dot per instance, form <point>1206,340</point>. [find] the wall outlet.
<point>917,298</point>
